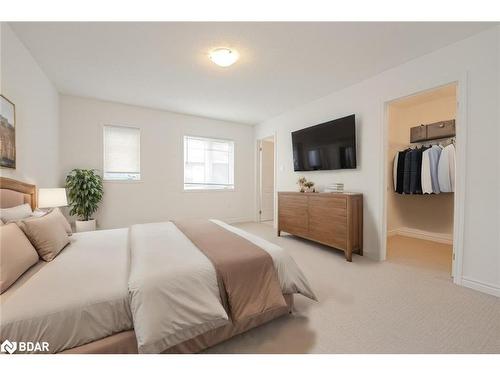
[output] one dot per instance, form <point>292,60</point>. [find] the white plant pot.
<point>85,226</point>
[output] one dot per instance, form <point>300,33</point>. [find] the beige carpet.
<point>407,304</point>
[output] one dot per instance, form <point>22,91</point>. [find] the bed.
<point>150,288</point>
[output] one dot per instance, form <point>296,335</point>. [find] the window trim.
<point>128,181</point>
<point>205,190</point>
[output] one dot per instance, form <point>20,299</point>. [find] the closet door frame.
<point>258,177</point>
<point>460,170</point>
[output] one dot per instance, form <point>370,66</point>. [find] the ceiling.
<point>282,65</point>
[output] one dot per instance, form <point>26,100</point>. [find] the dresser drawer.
<point>292,214</point>
<point>329,203</point>
<point>294,224</point>
<point>292,201</point>
<point>329,209</point>
<point>328,221</point>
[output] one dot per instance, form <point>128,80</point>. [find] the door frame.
<point>460,170</point>
<point>259,178</point>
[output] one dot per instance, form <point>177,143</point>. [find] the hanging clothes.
<point>425,170</point>
<point>407,171</point>
<point>395,171</point>
<point>416,170</point>
<point>426,173</point>
<point>398,170</point>
<point>430,160</point>
<point>446,169</point>
<point>418,174</point>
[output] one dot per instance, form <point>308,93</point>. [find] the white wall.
<point>477,58</point>
<point>37,113</point>
<point>159,196</point>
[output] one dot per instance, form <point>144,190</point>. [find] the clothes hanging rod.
<point>434,141</point>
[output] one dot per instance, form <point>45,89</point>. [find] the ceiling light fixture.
<point>224,56</point>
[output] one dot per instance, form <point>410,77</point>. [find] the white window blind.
<point>208,163</point>
<point>122,153</point>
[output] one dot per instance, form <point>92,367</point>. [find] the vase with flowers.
<point>306,186</point>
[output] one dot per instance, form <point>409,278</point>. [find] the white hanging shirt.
<point>426,173</point>
<point>446,169</point>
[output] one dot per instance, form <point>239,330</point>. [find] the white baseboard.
<point>234,220</point>
<point>422,234</point>
<point>481,286</point>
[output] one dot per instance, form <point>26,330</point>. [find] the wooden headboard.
<point>14,193</point>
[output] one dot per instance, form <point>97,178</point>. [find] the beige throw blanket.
<point>245,272</point>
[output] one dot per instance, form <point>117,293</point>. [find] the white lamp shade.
<point>52,198</point>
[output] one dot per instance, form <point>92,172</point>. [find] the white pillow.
<point>38,213</point>
<point>15,213</point>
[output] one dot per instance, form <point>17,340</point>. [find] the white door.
<point>267,179</point>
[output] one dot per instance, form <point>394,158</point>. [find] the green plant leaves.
<point>85,190</point>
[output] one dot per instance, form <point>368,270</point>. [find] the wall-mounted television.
<point>327,146</point>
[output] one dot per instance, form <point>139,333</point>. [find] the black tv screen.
<point>327,146</point>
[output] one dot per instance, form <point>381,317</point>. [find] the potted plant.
<point>84,187</point>
<point>306,186</point>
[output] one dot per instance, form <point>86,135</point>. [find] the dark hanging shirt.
<point>400,171</point>
<point>406,173</point>
<point>416,170</point>
<point>414,173</point>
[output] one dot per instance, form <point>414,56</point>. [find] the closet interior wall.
<point>431,213</point>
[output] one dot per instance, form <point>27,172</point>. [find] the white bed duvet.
<point>79,297</point>
<point>149,277</point>
<point>173,285</point>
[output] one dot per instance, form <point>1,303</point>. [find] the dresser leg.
<point>278,232</point>
<point>348,255</point>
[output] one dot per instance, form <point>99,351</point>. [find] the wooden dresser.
<point>333,219</point>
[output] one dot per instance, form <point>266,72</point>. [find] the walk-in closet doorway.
<point>424,139</point>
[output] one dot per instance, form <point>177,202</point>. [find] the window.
<point>122,153</point>
<point>208,164</point>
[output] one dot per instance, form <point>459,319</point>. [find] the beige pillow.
<point>67,227</point>
<point>47,233</point>
<point>16,254</point>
